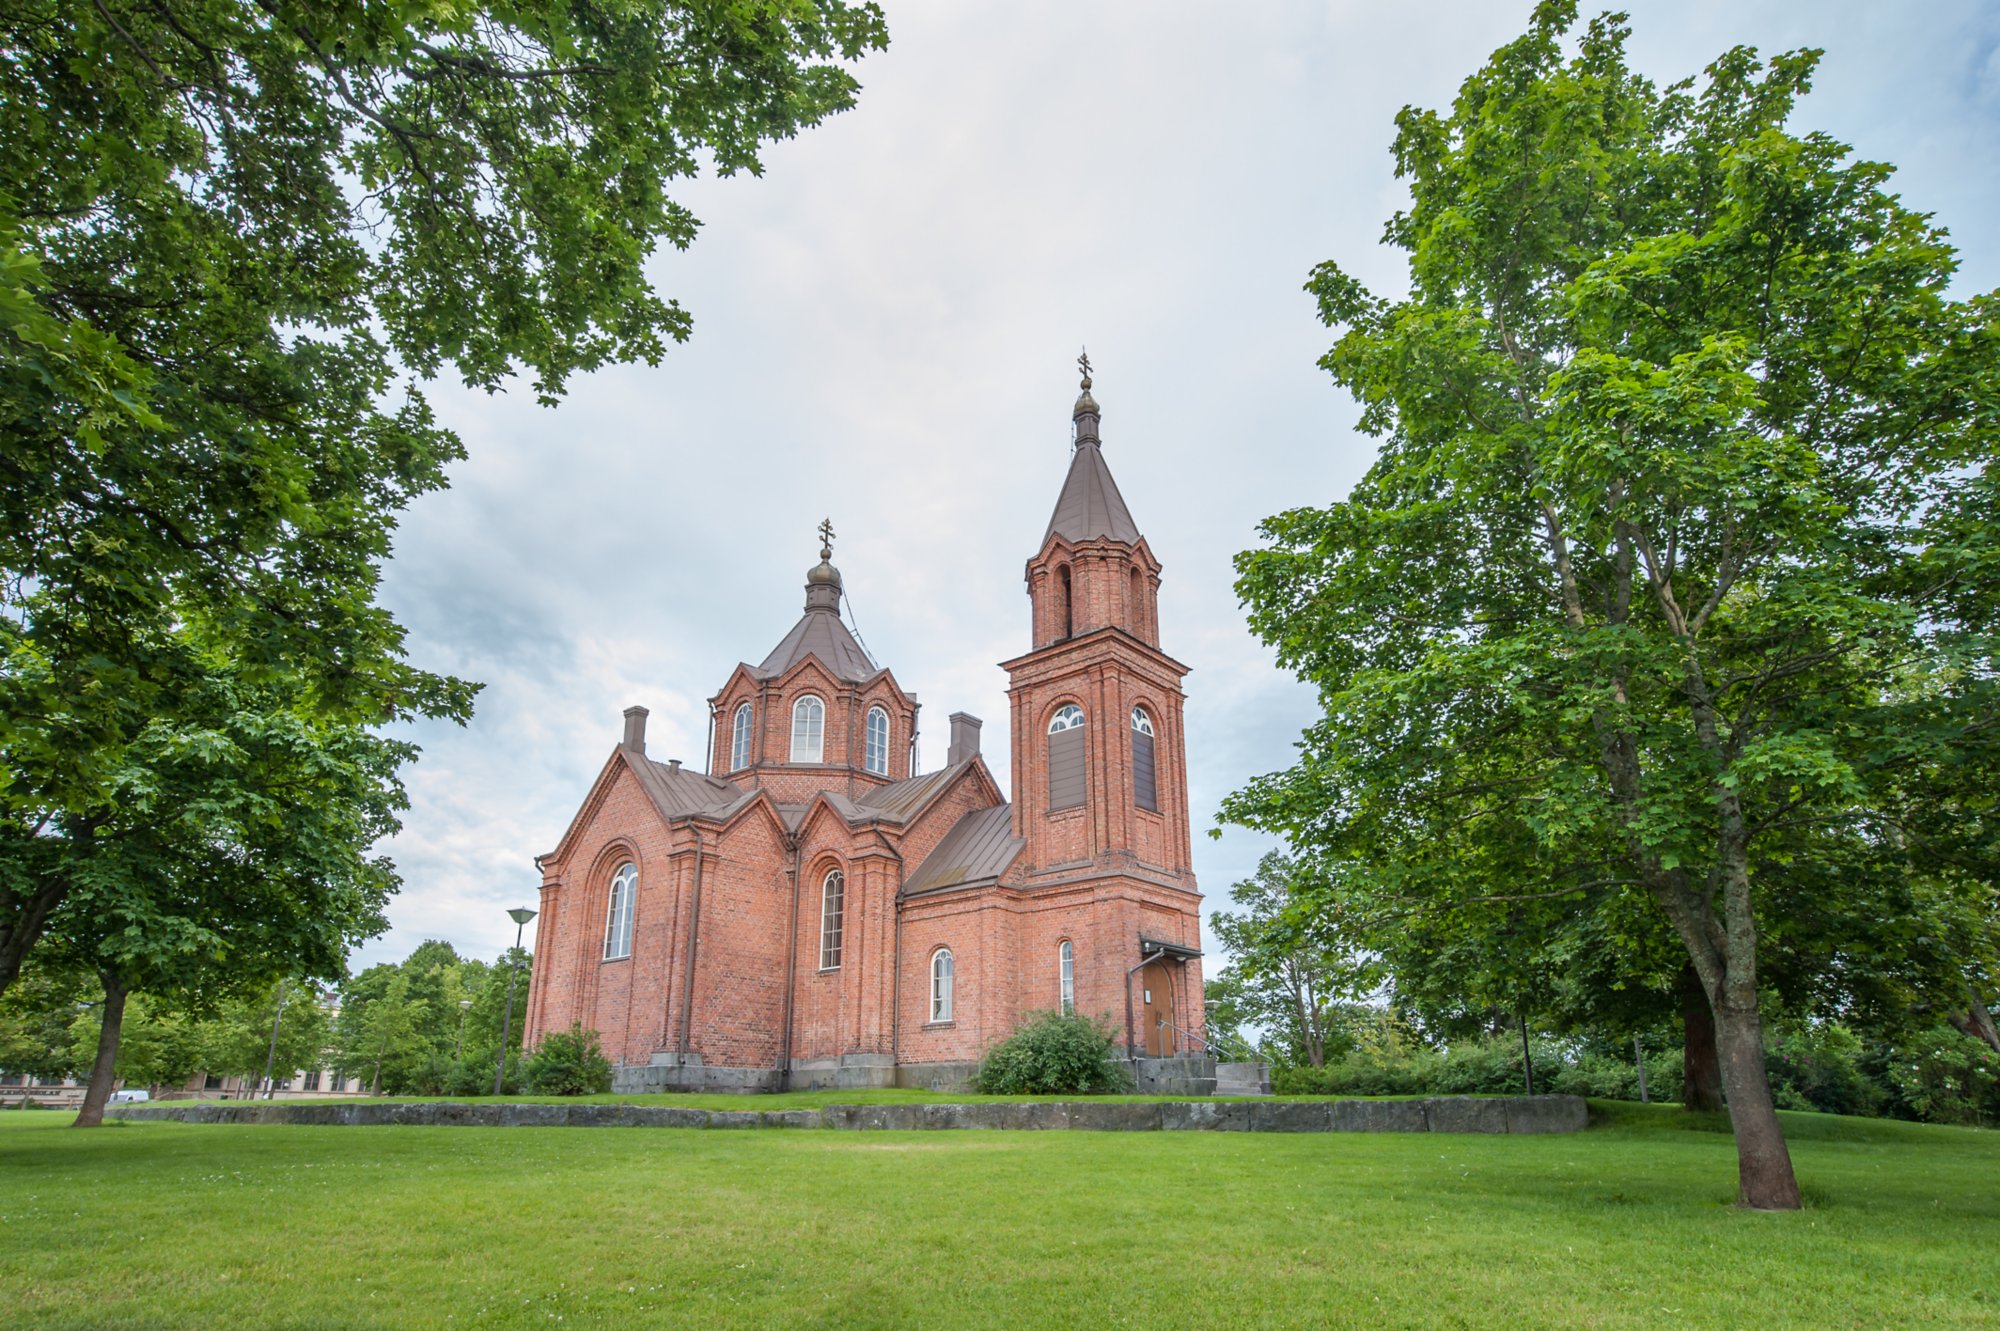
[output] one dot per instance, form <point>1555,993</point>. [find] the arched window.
<point>832,908</point>
<point>876,755</point>
<point>941,984</point>
<point>1066,970</point>
<point>739,738</point>
<point>808,729</point>
<point>1066,757</point>
<point>1136,618</point>
<point>1064,619</point>
<point>1145,774</point>
<point>618,915</point>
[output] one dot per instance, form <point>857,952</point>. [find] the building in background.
<point>811,911</point>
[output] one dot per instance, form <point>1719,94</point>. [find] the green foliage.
<point>1940,1076</point>
<point>568,1063</point>
<point>440,1026</point>
<point>1053,1054</point>
<point>1291,969</point>
<point>35,1019</point>
<point>233,243</point>
<point>1667,608</point>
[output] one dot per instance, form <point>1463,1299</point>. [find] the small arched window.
<point>875,757</point>
<point>1064,617</point>
<point>1145,772</point>
<point>1066,757</point>
<point>941,984</point>
<point>832,910</point>
<point>1066,973</point>
<point>808,729</point>
<point>739,738</point>
<point>619,911</point>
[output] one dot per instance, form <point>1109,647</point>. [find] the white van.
<point>132,1097</point>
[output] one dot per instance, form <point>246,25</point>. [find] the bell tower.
<point>1099,759</point>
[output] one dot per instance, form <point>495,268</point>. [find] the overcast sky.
<point>885,329</point>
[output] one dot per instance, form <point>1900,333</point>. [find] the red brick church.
<point>811,911</point>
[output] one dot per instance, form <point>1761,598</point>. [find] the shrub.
<point>1940,1076</point>
<point>1051,1054</point>
<point>1818,1067</point>
<point>569,1063</point>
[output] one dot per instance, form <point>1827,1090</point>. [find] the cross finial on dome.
<point>1085,414</point>
<point>826,538</point>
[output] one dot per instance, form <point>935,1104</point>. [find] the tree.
<point>233,849</point>
<point>35,1019</point>
<point>1686,480</point>
<point>1290,972</point>
<point>234,237</point>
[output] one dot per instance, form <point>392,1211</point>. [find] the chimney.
<point>964,739</point>
<point>635,729</point>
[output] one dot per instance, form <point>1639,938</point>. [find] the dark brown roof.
<point>1090,507</point>
<point>899,799</point>
<point>978,849</point>
<point>679,791</point>
<point>820,633</point>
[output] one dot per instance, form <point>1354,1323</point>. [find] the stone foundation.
<point>1518,1114</point>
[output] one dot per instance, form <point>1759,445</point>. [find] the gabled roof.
<point>1090,507</point>
<point>677,792</point>
<point>899,799</point>
<point>978,849</point>
<point>819,633</point>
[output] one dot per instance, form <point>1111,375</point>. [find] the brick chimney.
<point>964,739</point>
<point>635,729</point>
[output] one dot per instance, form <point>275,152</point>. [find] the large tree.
<point>235,237</point>
<point>1686,484</point>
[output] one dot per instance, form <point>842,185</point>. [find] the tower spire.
<point>1086,414</point>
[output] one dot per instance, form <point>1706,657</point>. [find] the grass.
<point>1627,1225</point>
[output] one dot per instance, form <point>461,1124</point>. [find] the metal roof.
<point>820,633</point>
<point>978,849</point>
<point>678,791</point>
<point>1090,507</point>
<point>899,799</point>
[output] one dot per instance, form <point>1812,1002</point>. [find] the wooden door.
<point>1157,993</point>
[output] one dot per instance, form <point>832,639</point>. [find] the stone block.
<point>1547,1113</point>
<point>1287,1115</point>
<point>1098,1116</point>
<point>790,1118</point>
<point>734,1118</point>
<point>1465,1113</point>
<point>1378,1116</point>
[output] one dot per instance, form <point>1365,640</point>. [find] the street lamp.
<point>521,915</point>
<point>458,1054</point>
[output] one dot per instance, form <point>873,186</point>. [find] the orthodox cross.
<point>826,538</point>
<point>1083,364</point>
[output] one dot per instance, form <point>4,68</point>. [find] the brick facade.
<point>724,982</point>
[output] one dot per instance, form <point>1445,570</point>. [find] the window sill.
<point>827,970</point>
<point>607,961</point>
<point>939,1025</point>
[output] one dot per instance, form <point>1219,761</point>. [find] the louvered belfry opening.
<point>1145,773</point>
<point>1066,759</point>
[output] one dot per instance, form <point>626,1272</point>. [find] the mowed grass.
<point>1626,1225</point>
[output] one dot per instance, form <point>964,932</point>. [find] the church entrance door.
<point>1158,992</point>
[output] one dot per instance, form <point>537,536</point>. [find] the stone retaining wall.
<point>1536,1113</point>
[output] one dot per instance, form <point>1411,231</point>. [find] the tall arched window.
<point>1145,774</point>
<point>618,915</point>
<point>1066,757</point>
<point>941,984</point>
<point>808,729</point>
<point>1064,617</point>
<point>739,738</point>
<point>875,757</point>
<point>1066,972</point>
<point>832,909</point>
<point>1136,618</point>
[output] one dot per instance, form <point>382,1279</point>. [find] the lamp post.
<point>458,1052</point>
<point>521,915</point>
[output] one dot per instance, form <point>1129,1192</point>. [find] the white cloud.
<point>884,329</point>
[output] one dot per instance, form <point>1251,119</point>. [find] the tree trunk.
<point>1976,1021</point>
<point>24,918</point>
<point>105,1070</point>
<point>1701,1072</point>
<point>1764,1178</point>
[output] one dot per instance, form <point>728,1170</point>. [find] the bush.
<point>1941,1076</point>
<point>569,1063</point>
<point>1819,1068</point>
<point>1051,1054</point>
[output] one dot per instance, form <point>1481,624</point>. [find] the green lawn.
<point>173,1225</point>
